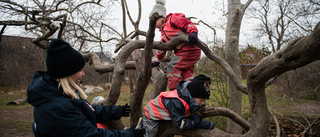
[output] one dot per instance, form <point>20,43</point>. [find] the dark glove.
<point>196,121</point>
<point>125,110</point>
<point>155,63</point>
<point>206,125</point>
<point>193,38</point>
<point>137,132</point>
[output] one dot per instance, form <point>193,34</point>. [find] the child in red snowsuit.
<point>181,65</point>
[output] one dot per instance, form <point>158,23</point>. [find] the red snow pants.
<point>181,67</point>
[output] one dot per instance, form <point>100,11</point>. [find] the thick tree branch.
<point>100,67</point>
<point>15,22</point>
<point>166,128</point>
<point>221,111</point>
<point>296,54</point>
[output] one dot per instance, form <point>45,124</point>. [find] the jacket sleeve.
<point>176,111</point>
<point>107,112</point>
<point>161,53</point>
<point>72,122</point>
<point>179,20</point>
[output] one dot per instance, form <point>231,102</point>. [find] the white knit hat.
<point>159,8</point>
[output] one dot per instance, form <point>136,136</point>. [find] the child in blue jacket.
<point>178,105</point>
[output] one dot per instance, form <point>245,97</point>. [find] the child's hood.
<point>183,92</point>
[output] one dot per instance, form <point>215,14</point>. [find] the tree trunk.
<point>159,82</point>
<point>235,15</point>
<point>143,78</point>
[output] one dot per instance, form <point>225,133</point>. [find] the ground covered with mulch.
<point>292,129</point>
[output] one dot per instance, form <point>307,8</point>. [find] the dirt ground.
<point>16,122</point>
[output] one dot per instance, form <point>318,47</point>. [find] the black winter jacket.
<point>177,110</point>
<point>58,115</point>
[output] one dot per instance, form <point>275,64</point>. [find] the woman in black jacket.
<point>60,105</point>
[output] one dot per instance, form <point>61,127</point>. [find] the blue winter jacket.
<point>176,108</point>
<point>58,115</point>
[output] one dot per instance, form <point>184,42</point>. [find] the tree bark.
<point>167,129</point>
<point>159,82</point>
<point>144,78</point>
<point>231,50</point>
<point>235,15</point>
<point>297,53</point>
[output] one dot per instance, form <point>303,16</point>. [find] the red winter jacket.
<point>176,23</point>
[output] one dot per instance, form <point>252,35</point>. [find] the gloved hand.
<point>206,125</point>
<point>193,38</point>
<point>125,110</point>
<point>137,132</point>
<point>155,63</point>
<point>196,121</point>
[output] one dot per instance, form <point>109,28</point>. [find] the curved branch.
<point>221,111</point>
<point>52,30</point>
<point>112,29</point>
<point>244,7</point>
<point>62,25</point>
<point>123,42</point>
<point>276,122</point>
<point>296,54</point>
<point>100,67</point>
<point>227,68</point>
<point>124,27</point>
<point>167,128</point>
<point>84,3</point>
<point>2,31</point>
<point>16,22</point>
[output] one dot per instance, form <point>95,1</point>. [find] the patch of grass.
<point>219,122</point>
<point>16,120</point>
<point>7,97</point>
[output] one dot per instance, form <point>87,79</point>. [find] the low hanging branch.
<point>100,67</point>
<point>167,129</point>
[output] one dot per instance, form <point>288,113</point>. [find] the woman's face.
<point>77,76</point>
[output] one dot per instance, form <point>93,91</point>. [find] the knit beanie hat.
<point>159,8</point>
<point>63,60</point>
<point>199,87</point>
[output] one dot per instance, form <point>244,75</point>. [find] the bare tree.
<point>61,19</point>
<point>298,53</point>
<point>282,20</point>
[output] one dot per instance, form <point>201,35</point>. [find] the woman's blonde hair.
<point>69,88</point>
